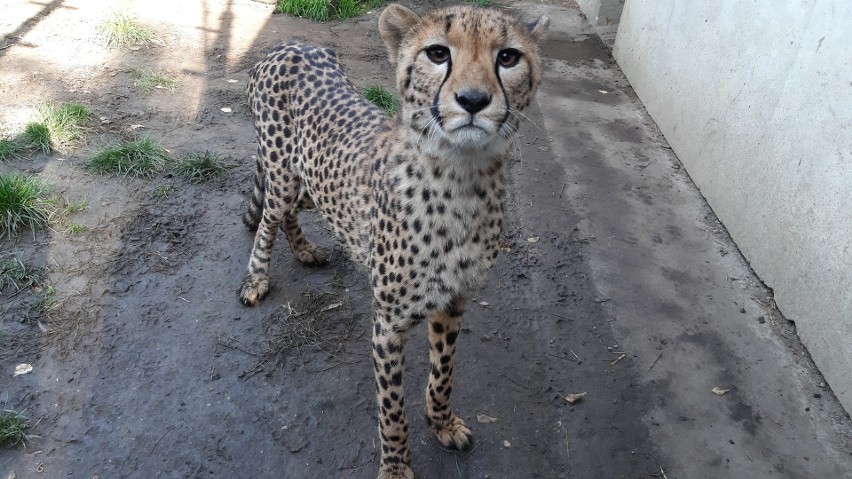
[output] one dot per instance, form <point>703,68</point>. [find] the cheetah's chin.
<point>476,138</point>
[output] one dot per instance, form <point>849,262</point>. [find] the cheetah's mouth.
<point>471,134</point>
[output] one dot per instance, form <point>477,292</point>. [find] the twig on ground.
<point>622,356</point>
<point>655,361</point>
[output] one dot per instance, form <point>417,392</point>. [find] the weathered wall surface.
<point>757,103</point>
<point>601,12</point>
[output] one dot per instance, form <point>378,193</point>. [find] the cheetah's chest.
<point>452,227</point>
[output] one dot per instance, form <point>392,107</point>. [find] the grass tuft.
<point>36,136</point>
<point>65,123</point>
<point>76,206</point>
<point>15,274</point>
<point>383,98</point>
<point>58,127</point>
<point>75,228</point>
<point>322,10</point>
<point>123,30</point>
<point>150,80</point>
<point>314,9</point>
<point>23,203</point>
<point>485,3</point>
<point>199,167</point>
<point>9,149</point>
<point>347,9</point>
<point>12,426</point>
<point>163,192</point>
<point>130,158</point>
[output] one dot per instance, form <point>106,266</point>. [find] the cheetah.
<point>415,198</point>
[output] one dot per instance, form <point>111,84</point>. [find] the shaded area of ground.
<point>615,280</point>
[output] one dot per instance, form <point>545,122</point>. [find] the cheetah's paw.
<point>311,255</point>
<point>252,290</point>
<point>453,433</point>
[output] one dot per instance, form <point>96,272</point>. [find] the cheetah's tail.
<point>251,218</point>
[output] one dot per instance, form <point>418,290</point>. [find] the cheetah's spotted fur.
<point>415,198</point>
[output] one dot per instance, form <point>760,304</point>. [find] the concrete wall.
<point>756,99</point>
<point>601,12</point>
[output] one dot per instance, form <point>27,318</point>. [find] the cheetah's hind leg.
<point>251,218</point>
<point>306,252</point>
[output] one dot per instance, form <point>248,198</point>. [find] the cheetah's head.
<point>463,73</point>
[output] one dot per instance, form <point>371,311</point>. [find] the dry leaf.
<point>484,418</point>
<point>573,398</point>
<point>23,369</point>
<point>507,444</point>
<point>533,239</point>
<point>719,391</point>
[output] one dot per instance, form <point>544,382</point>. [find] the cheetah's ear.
<point>538,28</point>
<point>394,23</point>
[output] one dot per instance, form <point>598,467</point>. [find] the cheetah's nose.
<point>473,101</point>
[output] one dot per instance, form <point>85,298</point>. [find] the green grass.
<point>314,9</point>
<point>70,208</point>
<point>150,80</point>
<point>15,274</point>
<point>485,3</point>
<point>130,158</point>
<point>46,301</point>
<point>65,123</point>
<point>123,30</point>
<point>76,206</point>
<point>74,228</point>
<point>12,426</point>
<point>24,202</point>
<point>9,149</point>
<point>36,136</point>
<point>163,192</point>
<point>57,127</point>
<point>199,167</point>
<point>383,98</point>
<point>320,10</point>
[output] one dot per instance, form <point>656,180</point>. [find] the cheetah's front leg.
<point>389,362</point>
<point>443,332</point>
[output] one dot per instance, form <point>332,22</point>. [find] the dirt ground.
<point>146,365</point>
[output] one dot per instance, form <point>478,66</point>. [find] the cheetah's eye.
<point>438,54</point>
<point>508,58</point>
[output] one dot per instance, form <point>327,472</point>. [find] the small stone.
<point>507,444</point>
<point>817,395</point>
